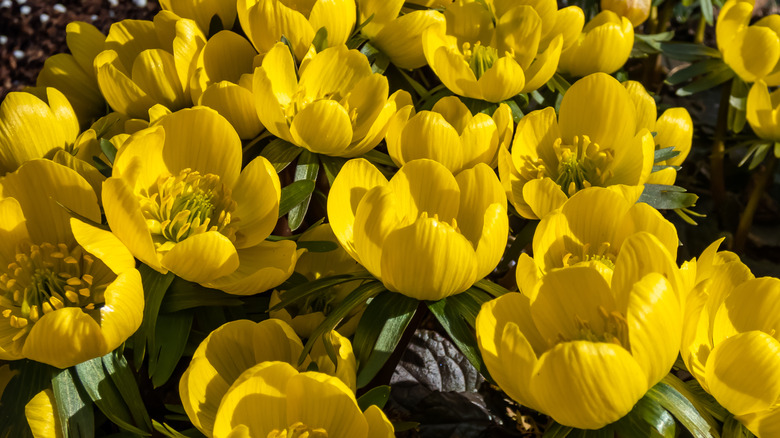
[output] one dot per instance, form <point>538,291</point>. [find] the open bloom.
<point>587,347</point>
<point>73,74</point>
<point>295,404</point>
<point>763,111</point>
<point>591,227</point>
<point>673,129</point>
<point>604,46</point>
<point>594,141</point>
<point>426,233</point>
<point>144,63</point>
<point>203,11</point>
<point>68,292</point>
<point>398,36</point>
<point>511,48</point>
<point>333,104</point>
<point>265,22</point>
<point>178,199</point>
<point>752,51</point>
<point>450,134</point>
<point>220,361</point>
<point>730,342</point>
<point>635,10</point>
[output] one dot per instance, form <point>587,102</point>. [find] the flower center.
<point>299,430</point>
<point>47,277</point>
<point>188,204</point>
<point>602,255</point>
<point>581,164</point>
<point>615,330</point>
<point>479,57</point>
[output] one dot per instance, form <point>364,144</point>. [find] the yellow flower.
<point>450,134</point>
<point>41,414</point>
<point>64,298</point>
<point>180,202</point>
<point>591,228</point>
<point>594,141</point>
<point>673,129</point>
<point>306,316</point>
<point>635,10</point>
<point>265,22</point>
<point>398,36</point>
<point>604,46</point>
<point>763,111</point>
<point>586,349</point>
<point>223,81</point>
<point>295,404</point>
<point>202,11</point>
<point>495,50</point>
<point>73,74</point>
<point>426,233</point>
<point>333,105</point>
<point>144,63</point>
<point>220,362</point>
<point>752,51</point>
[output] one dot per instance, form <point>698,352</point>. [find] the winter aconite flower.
<point>594,141</point>
<point>144,63</point>
<point>494,50</point>
<point>588,346</point>
<point>64,299</point>
<point>426,233</point>
<point>203,11</point>
<point>604,46</point>
<point>180,202</point>
<point>450,134</point>
<point>220,362</point>
<point>635,10</point>
<point>752,51</point>
<point>763,111</point>
<point>333,104</point>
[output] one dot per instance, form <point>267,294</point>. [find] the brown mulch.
<point>33,30</point>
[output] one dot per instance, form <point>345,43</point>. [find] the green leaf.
<point>660,167</point>
<point>704,403</point>
<point>318,245</point>
<point>693,70</point>
<point>758,152</point>
<point>332,166</point>
<point>280,153</point>
<point>558,84</point>
<point>377,157</point>
<point>106,395</point>
<point>155,285</point>
<point>306,170</point>
<point>647,419</point>
<point>378,59</point>
<point>376,396</point>
<point>379,331</point>
<point>183,294</point>
<point>666,197</point>
<point>681,407</point>
<point>117,368</point>
<point>294,194</point>
<point>171,335</point>
<point>108,149</point>
<point>492,288</point>
<point>517,113</point>
<point>689,52</point>
<point>665,154</point>
<point>710,80</point>
<point>457,314</point>
<point>732,428</point>
<point>557,431</point>
<point>320,41</point>
<point>298,293</point>
<point>355,298</point>
<point>74,408</point>
<point>170,432</point>
<point>29,379</point>
<point>707,11</point>
<point>737,104</point>
<point>416,86</point>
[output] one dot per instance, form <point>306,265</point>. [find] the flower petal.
<point>321,401</point>
<point>378,424</point>
<point>123,310</point>
<point>13,228</point>
<point>202,258</point>
<point>104,245</point>
<point>65,337</point>
<point>322,127</point>
<point>236,104</point>
<point>227,56</point>
<point>401,39</point>
<point>337,16</point>
<point>262,267</point>
<point>257,182</point>
<point>426,186</point>
<point>504,79</point>
<point>123,213</point>
<point>428,135</point>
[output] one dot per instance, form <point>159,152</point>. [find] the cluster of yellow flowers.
<point>418,203</point>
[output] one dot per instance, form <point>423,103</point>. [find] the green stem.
<point>717,180</point>
<point>699,38</point>
<point>746,220</point>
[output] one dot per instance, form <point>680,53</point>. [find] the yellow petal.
<point>534,138</point>
<point>527,276</point>
<point>762,113</point>
<point>752,305</point>
<point>104,245</point>
<point>64,73</point>
<point>543,195</point>
<point>123,213</point>
<point>202,258</point>
<point>449,65</point>
<point>262,267</point>
<point>345,367</point>
<point>333,73</point>
<point>42,416</point>
<point>367,99</point>
<point>604,46</point>
<point>321,401</point>
<point>642,254</point>
<point>64,338</point>
<point>268,21</point>
<point>350,186</point>
<point>518,30</point>
<point>743,372</point>
<point>429,135</point>
<point>502,80</point>
<point>633,160</point>
<point>85,41</point>
<point>120,91</point>
<point>654,320</point>
<point>257,219</point>
<point>236,104</point>
<point>203,11</point>
<point>426,186</point>
<point>587,385</point>
<point>428,260</point>
<point>568,23</point>
<point>263,390</point>
<point>401,39</point>
<point>643,217</point>
<point>128,38</point>
<point>378,424</point>
<point>227,56</point>
<point>758,54</point>
<point>644,103</point>
<point>380,125</point>
<point>121,315</point>
<point>374,219</point>
<point>154,71</point>
<point>190,138</point>
<point>13,228</point>
<point>323,127</point>
<point>337,16</point>
<point>543,68</point>
<point>675,128</point>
